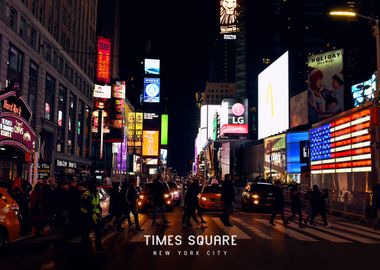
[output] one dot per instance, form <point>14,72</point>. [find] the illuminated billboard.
<point>207,118</point>
<point>152,90</point>
<point>152,66</point>
<point>118,89</point>
<point>233,117</point>
<point>228,16</point>
<point>342,145</point>
<point>103,69</point>
<point>273,98</point>
<point>164,129</point>
<point>299,110</point>
<point>326,85</point>
<point>150,143</point>
<point>102,91</point>
<point>297,151</point>
<point>365,91</point>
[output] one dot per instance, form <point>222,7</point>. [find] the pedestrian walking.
<point>278,206</point>
<point>308,207</point>
<point>115,210</point>
<point>124,208</point>
<point>318,204</point>
<point>227,199</point>
<point>376,207</point>
<point>158,200</point>
<point>295,204</point>
<point>131,197</point>
<point>37,209</point>
<point>190,204</point>
<point>91,217</point>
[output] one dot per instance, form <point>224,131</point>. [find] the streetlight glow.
<point>343,13</point>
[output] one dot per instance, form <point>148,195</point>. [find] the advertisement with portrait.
<point>299,110</point>
<point>273,95</point>
<point>326,85</point>
<point>234,117</point>
<point>101,107</point>
<point>228,16</point>
<point>364,91</point>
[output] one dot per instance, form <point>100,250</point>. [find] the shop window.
<point>49,97</point>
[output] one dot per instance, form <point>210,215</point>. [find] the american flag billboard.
<point>343,145</point>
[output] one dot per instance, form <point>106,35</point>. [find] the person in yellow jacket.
<point>91,216</point>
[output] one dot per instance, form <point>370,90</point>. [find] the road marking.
<point>252,229</point>
<point>320,234</point>
<point>287,231</point>
<point>139,236</point>
<point>377,236</point>
<point>348,235</point>
<point>108,236</point>
<point>231,230</point>
<point>360,227</point>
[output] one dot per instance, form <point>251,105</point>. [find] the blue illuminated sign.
<point>294,142</point>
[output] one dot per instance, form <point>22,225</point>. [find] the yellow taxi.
<point>9,219</point>
<point>210,197</point>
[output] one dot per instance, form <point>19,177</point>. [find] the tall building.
<point>48,53</point>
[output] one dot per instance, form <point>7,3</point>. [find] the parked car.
<point>257,195</point>
<point>209,197</point>
<point>145,202</point>
<point>175,192</point>
<point>10,226</point>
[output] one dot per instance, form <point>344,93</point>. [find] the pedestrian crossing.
<point>259,228</point>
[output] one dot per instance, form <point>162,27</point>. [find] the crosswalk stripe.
<point>231,230</point>
<point>287,231</point>
<point>348,235</point>
<point>377,236</point>
<point>360,227</point>
<point>253,229</point>
<point>322,235</point>
<point>148,230</point>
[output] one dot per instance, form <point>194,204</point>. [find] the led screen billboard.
<point>150,143</point>
<point>103,69</point>
<point>342,145</point>
<point>233,117</point>
<point>365,91</point>
<point>152,90</point>
<point>102,91</point>
<point>299,110</point>
<point>326,85</point>
<point>273,98</point>
<point>228,16</point>
<point>297,151</point>
<point>164,129</point>
<point>152,66</point>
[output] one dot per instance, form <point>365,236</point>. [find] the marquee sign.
<point>103,70</point>
<point>343,145</point>
<point>15,131</point>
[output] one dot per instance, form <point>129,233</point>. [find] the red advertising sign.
<point>103,71</point>
<point>16,131</point>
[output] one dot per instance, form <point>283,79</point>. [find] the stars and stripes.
<point>343,145</point>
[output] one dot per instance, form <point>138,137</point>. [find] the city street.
<point>342,245</point>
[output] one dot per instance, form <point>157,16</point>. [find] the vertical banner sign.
<point>164,129</point>
<point>150,142</point>
<point>139,133</point>
<point>326,85</point>
<point>228,16</point>
<point>131,132</point>
<point>103,70</point>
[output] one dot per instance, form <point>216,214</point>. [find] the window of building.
<point>49,97</point>
<point>61,121</point>
<point>33,38</point>
<point>32,90</point>
<point>13,19</point>
<point>34,7</point>
<point>22,28</point>
<point>80,128</point>
<point>71,132</point>
<point>15,65</point>
<point>41,15</point>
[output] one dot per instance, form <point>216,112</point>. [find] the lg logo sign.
<point>238,111</point>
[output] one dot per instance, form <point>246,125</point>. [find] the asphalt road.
<point>343,245</point>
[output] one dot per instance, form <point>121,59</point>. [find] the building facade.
<point>48,51</point>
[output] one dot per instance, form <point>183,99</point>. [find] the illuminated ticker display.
<point>103,70</point>
<point>343,145</point>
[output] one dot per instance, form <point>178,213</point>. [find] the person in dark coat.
<point>308,206</point>
<point>278,206</point>
<point>158,200</point>
<point>37,209</point>
<point>318,204</point>
<point>124,208</point>
<point>131,197</point>
<point>190,204</point>
<point>227,199</point>
<point>295,204</point>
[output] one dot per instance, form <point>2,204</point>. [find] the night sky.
<point>180,35</point>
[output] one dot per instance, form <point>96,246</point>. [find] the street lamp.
<point>377,37</point>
